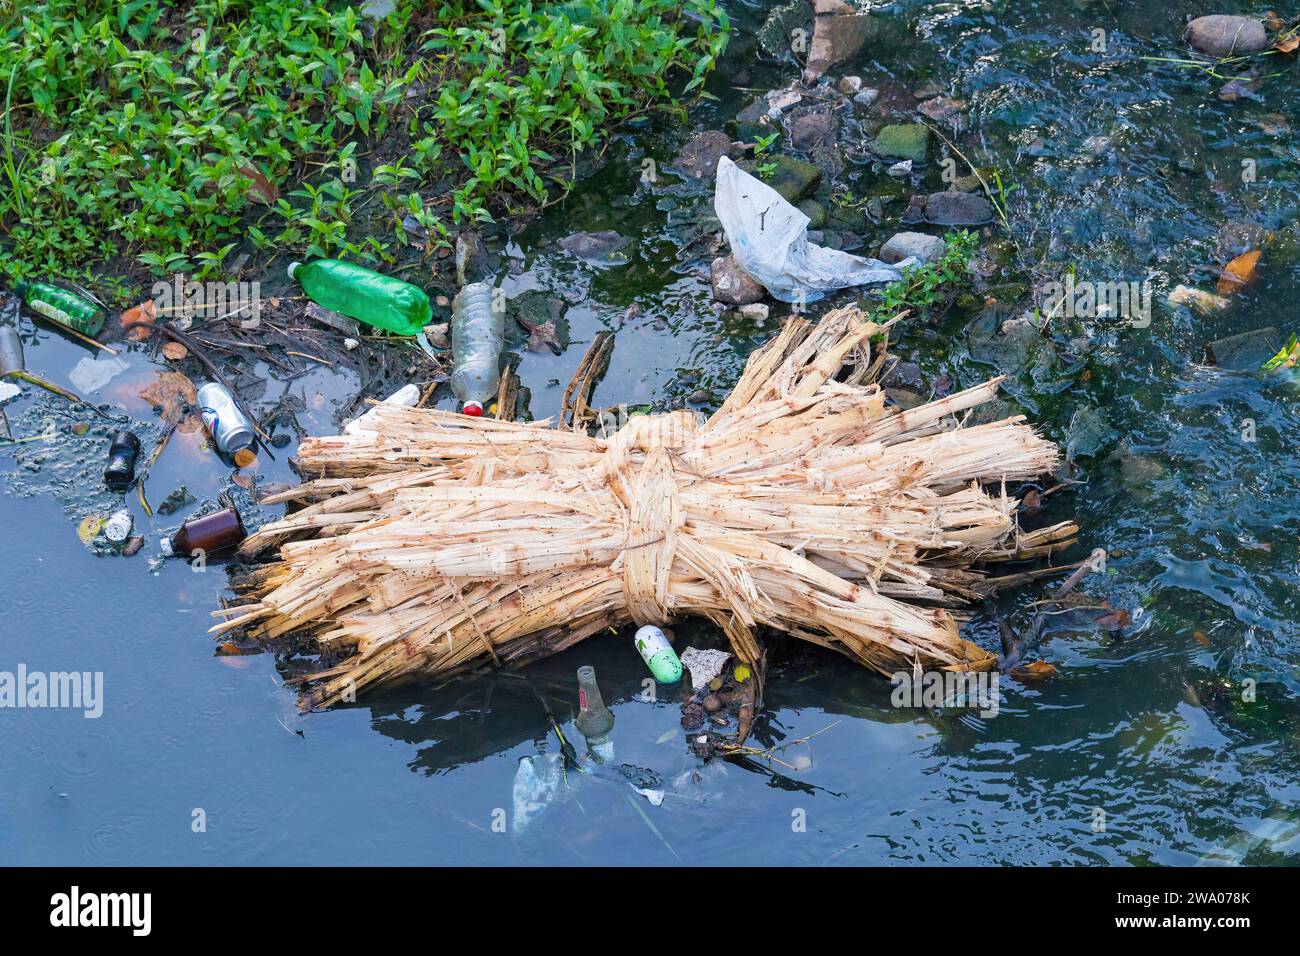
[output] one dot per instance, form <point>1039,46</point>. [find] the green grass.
<point>138,131</point>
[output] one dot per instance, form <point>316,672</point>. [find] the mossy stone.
<point>902,141</point>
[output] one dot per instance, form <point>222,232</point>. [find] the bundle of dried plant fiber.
<point>432,542</point>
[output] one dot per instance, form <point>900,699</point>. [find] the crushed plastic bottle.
<point>477,336</point>
<point>365,295</point>
<point>61,306</point>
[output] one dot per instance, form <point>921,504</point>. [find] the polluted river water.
<point>1169,740</point>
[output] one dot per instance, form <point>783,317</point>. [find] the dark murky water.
<point>1123,169</point>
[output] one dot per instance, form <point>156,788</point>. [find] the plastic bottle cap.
<point>473,408</point>
<point>293,267</point>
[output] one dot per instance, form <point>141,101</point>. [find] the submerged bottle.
<point>206,535</point>
<point>477,336</point>
<point>123,450</point>
<point>652,644</point>
<point>11,350</point>
<point>231,430</point>
<point>365,295</point>
<point>595,720</point>
<point>61,306</point>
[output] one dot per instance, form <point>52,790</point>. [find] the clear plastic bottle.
<point>11,350</point>
<point>477,336</point>
<point>365,295</point>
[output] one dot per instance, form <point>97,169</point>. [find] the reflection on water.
<point>1174,742</point>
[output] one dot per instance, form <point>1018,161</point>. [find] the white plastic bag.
<point>769,239</point>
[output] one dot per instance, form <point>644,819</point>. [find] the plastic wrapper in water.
<point>769,238</point>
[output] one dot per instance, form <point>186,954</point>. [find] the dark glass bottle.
<point>207,535</point>
<point>122,453</point>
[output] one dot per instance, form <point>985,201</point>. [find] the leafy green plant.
<point>164,132</point>
<point>523,87</point>
<point>926,285</point>
<point>1287,356</point>
<point>762,146</point>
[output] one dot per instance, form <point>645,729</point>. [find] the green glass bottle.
<point>364,295</point>
<point>61,306</point>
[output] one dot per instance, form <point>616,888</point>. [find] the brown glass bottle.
<point>206,535</point>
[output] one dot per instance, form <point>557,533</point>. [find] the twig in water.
<point>207,363</point>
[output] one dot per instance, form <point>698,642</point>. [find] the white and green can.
<point>658,654</point>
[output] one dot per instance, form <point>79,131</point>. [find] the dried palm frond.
<point>432,542</point>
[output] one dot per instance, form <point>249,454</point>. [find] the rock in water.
<point>1088,433</point>
<point>836,37</point>
<point>949,209</point>
<point>699,157</point>
<point>815,212</point>
<point>792,178</point>
<point>473,262</point>
<point>813,129</point>
<point>902,141</point>
<point>918,244</point>
<point>774,35</point>
<point>1221,36</point>
<point>732,285</point>
<point>606,248</point>
<point>1246,351</point>
<point>866,97</point>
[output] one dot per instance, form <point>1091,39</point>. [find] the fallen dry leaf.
<point>261,187</point>
<point>1113,620</point>
<point>1034,670</point>
<point>1200,638</point>
<point>144,312</point>
<point>1239,273</point>
<point>542,337</point>
<point>175,351</point>
<point>231,649</point>
<point>89,527</point>
<point>172,393</point>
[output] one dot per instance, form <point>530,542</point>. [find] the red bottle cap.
<point>473,408</point>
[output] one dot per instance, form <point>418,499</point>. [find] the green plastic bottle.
<point>365,295</point>
<point>61,306</point>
